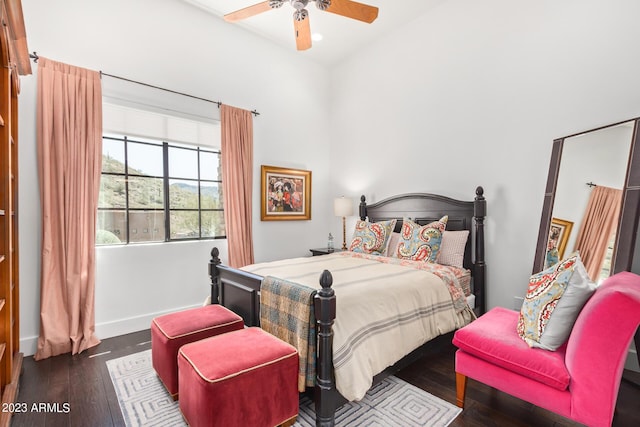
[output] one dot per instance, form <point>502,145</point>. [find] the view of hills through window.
<point>132,206</point>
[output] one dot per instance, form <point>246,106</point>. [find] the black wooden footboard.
<point>235,289</point>
<point>239,291</point>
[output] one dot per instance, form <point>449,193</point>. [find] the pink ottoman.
<point>243,378</point>
<point>172,331</point>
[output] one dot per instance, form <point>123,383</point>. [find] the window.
<point>153,191</point>
<point>605,270</point>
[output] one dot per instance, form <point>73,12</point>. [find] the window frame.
<point>166,185</point>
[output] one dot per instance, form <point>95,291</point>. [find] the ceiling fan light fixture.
<point>300,14</point>
<point>274,4</point>
<point>323,4</point>
<point>299,4</point>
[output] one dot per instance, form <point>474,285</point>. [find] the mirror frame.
<point>628,224</point>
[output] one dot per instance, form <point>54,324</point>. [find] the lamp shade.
<point>343,206</point>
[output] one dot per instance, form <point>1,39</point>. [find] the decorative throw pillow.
<point>452,248</point>
<point>372,238</point>
<point>553,302</point>
<point>420,242</point>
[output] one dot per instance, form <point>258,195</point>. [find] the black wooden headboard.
<point>424,208</point>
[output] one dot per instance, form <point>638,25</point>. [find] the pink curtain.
<point>599,221</point>
<point>237,182</point>
<point>69,140</point>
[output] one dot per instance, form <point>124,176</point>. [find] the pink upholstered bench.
<point>172,331</point>
<point>243,378</point>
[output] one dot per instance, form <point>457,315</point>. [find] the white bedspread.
<point>386,308</point>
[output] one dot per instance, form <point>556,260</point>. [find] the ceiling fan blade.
<point>303,33</point>
<point>354,10</point>
<point>247,12</point>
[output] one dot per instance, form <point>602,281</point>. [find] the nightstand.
<point>323,251</point>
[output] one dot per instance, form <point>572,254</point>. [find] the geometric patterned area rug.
<point>145,402</point>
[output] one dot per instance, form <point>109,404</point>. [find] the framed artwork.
<point>285,194</point>
<point>558,237</point>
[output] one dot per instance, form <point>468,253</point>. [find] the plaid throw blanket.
<point>286,312</point>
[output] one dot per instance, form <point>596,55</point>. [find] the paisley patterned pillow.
<point>554,299</point>
<point>420,242</point>
<point>372,238</point>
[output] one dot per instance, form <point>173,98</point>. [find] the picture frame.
<point>285,194</point>
<point>559,232</point>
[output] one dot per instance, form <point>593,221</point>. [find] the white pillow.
<point>452,248</point>
<point>564,315</point>
<point>393,243</point>
<point>554,299</point>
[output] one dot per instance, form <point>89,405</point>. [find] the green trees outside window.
<point>154,191</point>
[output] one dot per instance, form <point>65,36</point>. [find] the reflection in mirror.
<point>588,196</point>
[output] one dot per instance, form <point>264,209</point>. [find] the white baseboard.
<point>29,345</point>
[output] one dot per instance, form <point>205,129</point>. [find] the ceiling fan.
<point>347,8</point>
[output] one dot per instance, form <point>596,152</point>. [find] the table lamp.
<point>343,207</point>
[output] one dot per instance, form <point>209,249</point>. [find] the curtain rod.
<point>35,58</point>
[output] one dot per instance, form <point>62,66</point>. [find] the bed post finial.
<point>215,252</point>
<point>363,208</point>
<point>325,312</point>
<point>215,275</point>
<point>479,274</point>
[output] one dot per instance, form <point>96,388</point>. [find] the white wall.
<point>473,93</point>
<point>174,45</point>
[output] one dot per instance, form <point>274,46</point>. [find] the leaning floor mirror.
<point>592,200</point>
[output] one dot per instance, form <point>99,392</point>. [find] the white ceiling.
<point>341,36</point>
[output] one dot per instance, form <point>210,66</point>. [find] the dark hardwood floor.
<point>83,382</point>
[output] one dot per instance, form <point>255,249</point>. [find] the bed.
<point>241,289</point>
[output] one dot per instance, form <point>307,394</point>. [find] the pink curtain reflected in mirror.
<point>599,223</point>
